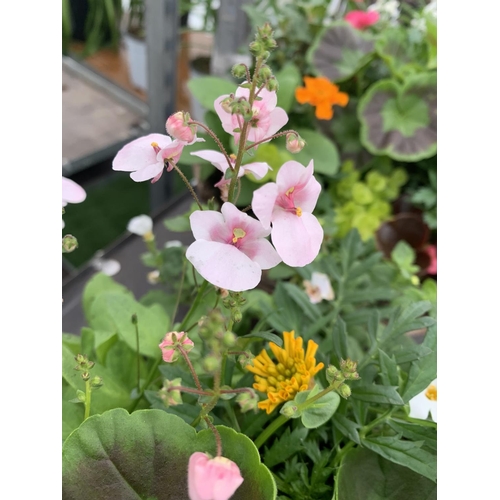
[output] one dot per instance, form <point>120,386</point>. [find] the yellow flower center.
<point>298,211</point>
<point>238,234</point>
<point>431,393</point>
<point>154,144</point>
<point>290,191</point>
<point>292,372</point>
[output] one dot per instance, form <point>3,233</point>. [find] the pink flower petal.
<point>139,154</point>
<point>72,192</point>
<point>148,172</point>
<point>263,202</point>
<point>218,160</point>
<point>258,169</point>
<point>209,225</point>
<point>262,252</point>
<point>224,265</point>
<point>296,239</point>
<point>279,119</point>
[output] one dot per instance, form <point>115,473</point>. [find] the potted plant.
<point>134,38</point>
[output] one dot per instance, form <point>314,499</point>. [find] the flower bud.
<point>344,390</point>
<point>170,344</point>
<point>272,84</point>
<point>80,395</point>
<point>69,243</point>
<point>171,398</point>
<point>290,410</point>
<point>247,401</point>
<point>331,373</point>
<point>211,363</point>
<point>246,360</point>
<point>226,104</point>
<point>179,128</point>
<point>294,143</point>
<point>265,72</point>
<point>239,71</point>
<point>96,382</point>
<point>229,339</point>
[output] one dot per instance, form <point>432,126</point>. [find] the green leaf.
<point>412,353</point>
<point>319,148</point>
<point>112,311</point>
<point>302,301</point>
<point>206,89</point>
<point>406,453</point>
<point>145,455</point>
<point>178,224</point>
<point>340,339</point>
<point>388,369</point>
<point>416,433</point>
<point>425,196</point>
<point>364,475</point>
<point>286,446</point>
<point>270,337</point>
<point>320,411</point>
<point>100,283</point>
<point>350,249</point>
<point>347,427</point>
<point>383,394</point>
<point>400,121</point>
<point>289,79</point>
<point>339,51</point>
<point>403,254</point>
<point>72,342</point>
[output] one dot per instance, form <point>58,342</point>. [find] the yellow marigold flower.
<point>293,372</point>
<point>323,94</point>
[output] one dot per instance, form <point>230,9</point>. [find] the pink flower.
<point>432,252</point>
<point>319,288</point>
<point>169,345</point>
<point>212,478</point>
<point>360,19</point>
<point>145,157</point>
<point>72,192</point>
<point>218,160</point>
<point>267,118</point>
<point>231,249</point>
<point>287,205</point>
<point>177,126</point>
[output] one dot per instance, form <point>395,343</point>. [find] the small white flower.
<point>319,288</point>
<point>140,225</point>
<point>425,402</point>
<point>388,10</point>
<point>173,243</point>
<point>110,267</point>
<point>153,277</point>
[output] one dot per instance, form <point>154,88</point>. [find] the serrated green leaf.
<point>302,300</point>
<point>383,394</point>
<point>286,446</point>
<point>347,427</point>
<point>416,433</point>
<point>388,369</point>
<point>412,353</point>
<point>406,453</point>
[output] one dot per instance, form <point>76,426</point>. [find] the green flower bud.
<point>239,71</point>
<point>69,243</point>
<point>290,410</point>
<point>96,382</point>
<point>80,395</point>
<point>247,401</point>
<point>344,391</point>
<point>272,85</point>
<point>211,363</point>
<point>229,339</point>
<point>244,360</point>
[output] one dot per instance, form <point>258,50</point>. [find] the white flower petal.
<point>140,225</point>
<point>322,281</point>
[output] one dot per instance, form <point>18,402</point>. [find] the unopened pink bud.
<point>212,478</point>
<point>178,127</point>
<point>170,344</point>
<point>294,143</point>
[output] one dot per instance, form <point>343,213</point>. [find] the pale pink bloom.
<point>145,157</point>
<point>171,341</point>
<point>287,204</point>
<point>231,248</point>
<point>267,118</point>
<point>177,126</point>
<point>72,192</point>
<point>319,288</point>
<point>212,478</point>
<point>432,252</point>
<point>424,403</point>
<point>218,160</point>
<point>360,19</point>
<point>140,225</point>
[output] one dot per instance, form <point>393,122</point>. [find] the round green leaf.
<point>400,121</point>
<point>320,411</point>
<point>289,79</point>
<point>339,51</point>
<point>321,149</point>
<point>145,456</point>
<point>208,88</point>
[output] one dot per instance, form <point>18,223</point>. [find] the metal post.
<point>232,33</point>
<point>162,22</point>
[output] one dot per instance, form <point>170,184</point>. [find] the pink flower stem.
<point>216,139</point>
<point>188,389</point>
<point>217,435</point>
<point>190,365</point>
<point>183,177</point>
<point>279,134</point>
<point>243,135</point>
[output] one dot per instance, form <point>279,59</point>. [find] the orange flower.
<point>322,94</point>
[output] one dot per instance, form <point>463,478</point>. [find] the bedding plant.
<point>280,360</point>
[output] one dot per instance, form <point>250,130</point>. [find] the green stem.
<point>341,453</point>
<point>88,397</point>
<point>269,431</point>
<point>138,355</point>
<point>187,183</point>
<point>152,372</point>
<point>232,416</point>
